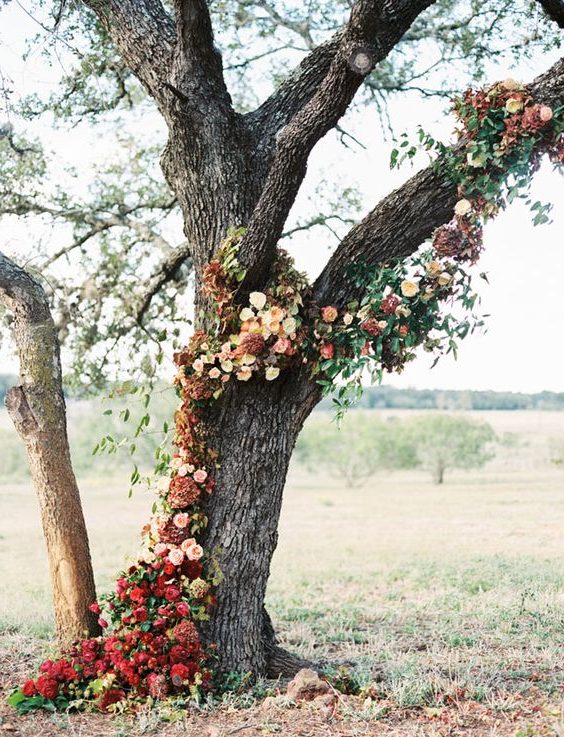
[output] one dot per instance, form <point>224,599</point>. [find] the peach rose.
<point>198,365</point>
<point>194,552</point>
<point>327,350</point>
<point>409,288</point>
<point>329,313</point>
<point>545,113</point>
<point>185,544</point>
<point>281,345</point>
<point>160,549</point>
<point>176,556</point>
<point>181,520</point>
<point>214,373</point>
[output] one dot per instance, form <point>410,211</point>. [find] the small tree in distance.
<point>354,452</point>
<point>444,441</point>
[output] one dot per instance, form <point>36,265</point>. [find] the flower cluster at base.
<point>153,647</point>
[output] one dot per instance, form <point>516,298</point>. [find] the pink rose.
<point>545,113</point>
<point>329,313</point>
<point>185,544</point>
<point>194,552</point>
<point>198,365</point>
<point>160,549</point>
<point>215,373</point>
<point>181,520</point>
<point>176,556</point>
<point>183,470</point>
<point>200,476</point>
<point>281,345</point>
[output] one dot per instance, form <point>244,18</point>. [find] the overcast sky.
<point>523,347</point>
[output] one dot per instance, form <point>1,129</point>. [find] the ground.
<point>449,601</point>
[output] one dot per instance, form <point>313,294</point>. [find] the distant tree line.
<point>387,397</point>
<point>366,443</point>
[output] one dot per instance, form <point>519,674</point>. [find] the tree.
<point>355,451</point>
<point>228,168</point>
<point>37,408</point>
<point>444,441</point>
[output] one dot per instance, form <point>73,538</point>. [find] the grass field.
<point>449,600</point>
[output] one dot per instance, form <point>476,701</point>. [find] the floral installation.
<point>153,648</point>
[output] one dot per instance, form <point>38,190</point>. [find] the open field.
<point>449,600</point>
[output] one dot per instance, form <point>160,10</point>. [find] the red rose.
<point>102,622</point>
<point>182,609</point>
<point>140,614</point>
<point>137,595</point>
<point>172,593</point>
<point>95,608</point>
<point>28,689</point>
<point>47,687</point>
<point>179,673</point>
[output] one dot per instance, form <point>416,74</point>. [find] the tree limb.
<point>555,10</point>
<point>374,27</point>
<point>404,219</point>
<point>144,34</point>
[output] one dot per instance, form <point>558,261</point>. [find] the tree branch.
<point>198,68</point>
<point>555,10</point>
<point>404,219</point>
<point>145,36</point>
<point>164,273</point>
<point>374,27</point>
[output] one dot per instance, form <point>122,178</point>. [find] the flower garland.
<point>153,649</point>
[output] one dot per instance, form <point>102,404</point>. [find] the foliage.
<point>355,450</point>
<point>445,441</point>
<point>116,227</point>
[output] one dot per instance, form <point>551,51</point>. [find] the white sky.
<point>522,350</point>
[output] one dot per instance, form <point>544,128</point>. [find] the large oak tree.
<point>228,168</point>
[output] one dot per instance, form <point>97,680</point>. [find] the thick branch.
<point>555,10</point>
<point>404,219</point>
<point>197,73</point>
<point>375,26</point>
<point>144,34</point>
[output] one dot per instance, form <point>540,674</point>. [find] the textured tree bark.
<point>254,430</point>
<point>37,408</point>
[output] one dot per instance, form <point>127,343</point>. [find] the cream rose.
<point>444,278</point>
<point>289,325</point>
<point>271,373</point>
<point>244,373</point>
<point>227,366</point>
<point>463,207</point>
<point>433,268</point>
<point>409,288</point>
<point>257,299</point>
<point>246,314</point>
<point>514,105</point>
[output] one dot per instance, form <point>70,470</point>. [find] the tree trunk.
<point>439,473</point>
<point>37,408</point>
<point>254,430</point>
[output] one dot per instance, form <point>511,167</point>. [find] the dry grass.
<point>450,601</point>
